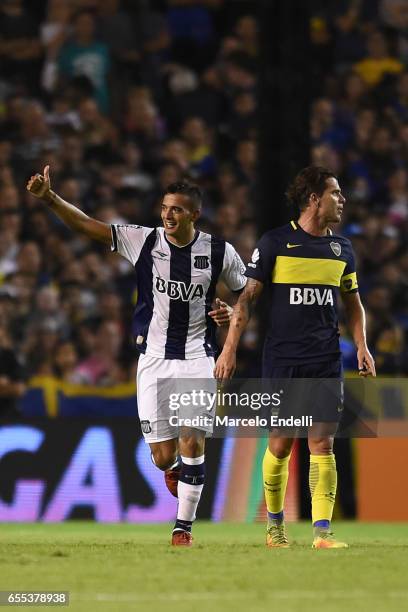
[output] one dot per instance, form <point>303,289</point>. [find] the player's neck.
<point>312,225</point>
<point>183,239</point>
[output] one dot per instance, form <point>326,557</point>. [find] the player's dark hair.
<point>193,192</point>
<point>309,180</point>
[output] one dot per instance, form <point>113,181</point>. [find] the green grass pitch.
<point>133,567</point>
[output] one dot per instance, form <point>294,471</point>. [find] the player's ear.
<point>314,199</point>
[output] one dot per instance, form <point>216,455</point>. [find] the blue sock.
<point>192,474</point>
<point>276,516</point>
<point>182,525</point>
<point>323,524</point>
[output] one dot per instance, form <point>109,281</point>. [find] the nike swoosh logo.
<point>292,246</point>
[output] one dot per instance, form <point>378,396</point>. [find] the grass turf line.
<point>133,567</point>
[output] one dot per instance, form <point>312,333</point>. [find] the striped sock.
<point>182,525</point>
<point>189,488</point>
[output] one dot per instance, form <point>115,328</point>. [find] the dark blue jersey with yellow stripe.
<point>304,275</point>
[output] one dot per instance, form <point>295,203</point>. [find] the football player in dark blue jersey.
<point>304,266</point>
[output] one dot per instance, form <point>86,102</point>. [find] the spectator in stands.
<point>378,62</point>
<point>242,119</point>
<point>197,136</point>
<point>54,32</point>
<point>95,129</point>
<point>65,362</point>
<point>192,33</point>
<point>115,29</point>
<point>39,346</point>
<point>246,30</point>
<point>10,226</point>
<point>98,367</point>
<point>394,14</point>
<point>12,384</point>
<point>20,47</point>
<point>384,333</point>
<point>246,158</point>
<point>85,56</point>
<point>48,307</point>
<point>398,196</point>
<point>142,120</point>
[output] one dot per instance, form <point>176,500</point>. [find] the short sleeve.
<point>128,240</point>
<point>262,260</point>
<point>348,282</point>
<point>233,269</point>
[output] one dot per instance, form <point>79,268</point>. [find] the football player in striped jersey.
<point>177,269</point>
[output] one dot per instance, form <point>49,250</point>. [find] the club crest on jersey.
<point>177,290</point>
<point>145,427</point>
<point>336,248</point>
<point>201,262</point>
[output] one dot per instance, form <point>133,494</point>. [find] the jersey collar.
<point>295,226</point>
<point>185,246</point>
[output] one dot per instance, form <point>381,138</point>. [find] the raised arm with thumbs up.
<point>39,186</point>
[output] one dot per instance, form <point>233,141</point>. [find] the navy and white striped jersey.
<point>176,287</point>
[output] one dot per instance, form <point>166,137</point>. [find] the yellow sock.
<point>275,478</point>
<point>323,485</point>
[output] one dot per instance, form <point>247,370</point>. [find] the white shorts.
<point>161,380</point>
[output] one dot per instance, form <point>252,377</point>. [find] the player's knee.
<point>163,459</point>
<point>321,446</point>
<point>191,446</point>
<point>280,448</point>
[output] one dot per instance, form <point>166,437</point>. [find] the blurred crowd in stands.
<point>122,98</point>
<point>359,128</point>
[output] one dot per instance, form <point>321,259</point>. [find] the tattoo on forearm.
<point>244,307</point>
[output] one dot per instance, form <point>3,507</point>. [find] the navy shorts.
<point>312,390</point>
